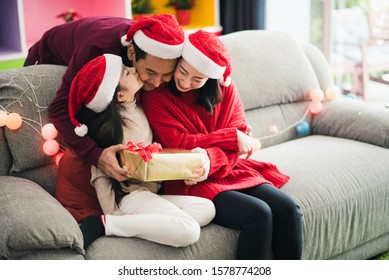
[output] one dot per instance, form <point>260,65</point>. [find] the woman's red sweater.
<point>179,122</point>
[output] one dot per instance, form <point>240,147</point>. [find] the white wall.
<point>290,16</point>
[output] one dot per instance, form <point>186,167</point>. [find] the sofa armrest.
<point>355,120</point>
<point>30,218</point>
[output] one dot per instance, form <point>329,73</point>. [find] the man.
<point>151,45</point>
<point>157,41</point>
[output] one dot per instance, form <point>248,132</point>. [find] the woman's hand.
<point>247,144</point>
<point>202,171</point>
<point>249,130</point>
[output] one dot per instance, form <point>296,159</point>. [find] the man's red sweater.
<point>73,44</point>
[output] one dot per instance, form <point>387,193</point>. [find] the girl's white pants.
<point>167,219</point>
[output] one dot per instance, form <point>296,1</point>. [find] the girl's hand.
<point>202,171</point>
<point>117,213</point>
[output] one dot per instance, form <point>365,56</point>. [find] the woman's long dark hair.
<point>209,94</point>
<point>106,129</point>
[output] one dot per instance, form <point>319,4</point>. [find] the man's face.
<point>152,70</point>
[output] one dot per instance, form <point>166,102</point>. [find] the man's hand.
<point>109,164</point>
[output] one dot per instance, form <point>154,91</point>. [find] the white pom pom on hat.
<point>205,52</point>
<point>225,82</point>
<point>94,86</point>
<point>81,130</point>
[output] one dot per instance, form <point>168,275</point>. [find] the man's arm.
<point>85,147</point>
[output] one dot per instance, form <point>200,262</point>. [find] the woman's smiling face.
<point>187,77</point>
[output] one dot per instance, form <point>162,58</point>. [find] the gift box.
<point>152,163</point>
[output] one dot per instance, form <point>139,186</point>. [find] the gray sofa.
<point>339,171</point>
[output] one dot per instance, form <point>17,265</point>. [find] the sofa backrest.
<point>28,92</point>
<point>274,76</point>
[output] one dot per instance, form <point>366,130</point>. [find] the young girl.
<point>133,208</point>
<point>194,111</point>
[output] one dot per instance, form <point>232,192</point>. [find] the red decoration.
<point>144,151</point>
<point>69,15</point>
<point>183,16</point>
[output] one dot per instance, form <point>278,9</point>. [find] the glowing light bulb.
<point>316,107</point>
<point>50,147</point>
<point>302,128</point>
<point>3,117</point>
<point>273,129</point>
<point>317,94</point>
<point>49,131</point>
<point>332,92</point>
<point>13,121</point>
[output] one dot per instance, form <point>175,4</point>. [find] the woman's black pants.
<point>269,221</point>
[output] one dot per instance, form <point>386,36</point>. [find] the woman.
<point>132,208</point>
<point>195,111</point>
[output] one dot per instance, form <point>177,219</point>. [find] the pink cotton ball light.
<point>274,129</point>
<point>332,92</point>
<point>50,147</point>
<point>316,107</point>
<point>49,131</point>
<point>13,121</point>
<point>317,95</point>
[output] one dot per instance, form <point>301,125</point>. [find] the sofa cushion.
<point>352,119</point>
<point>53,254</point>
<point>320,65</point>
<point>275,89</point>
<point>215,242</point>
<point>45,176</point>
<point>341,186</point>
<point>281,59</point>
<point>283,117</point>
<point>6,159</point>
<point>28,92</point>
<point>32,219</point>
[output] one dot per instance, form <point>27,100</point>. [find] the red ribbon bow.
<point>144,151</point>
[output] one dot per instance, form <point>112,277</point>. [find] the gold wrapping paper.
<point>170,164</point>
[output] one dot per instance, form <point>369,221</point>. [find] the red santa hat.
<point>208,55</point>
<point>94,86</point>
<point>158,35</point>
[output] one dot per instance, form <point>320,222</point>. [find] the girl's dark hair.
<point>209,94</point>
<point>106,129</point>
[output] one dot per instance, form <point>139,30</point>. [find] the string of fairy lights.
<point>51,147</point>
<point>301,126</point>
<point>14,121</point>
